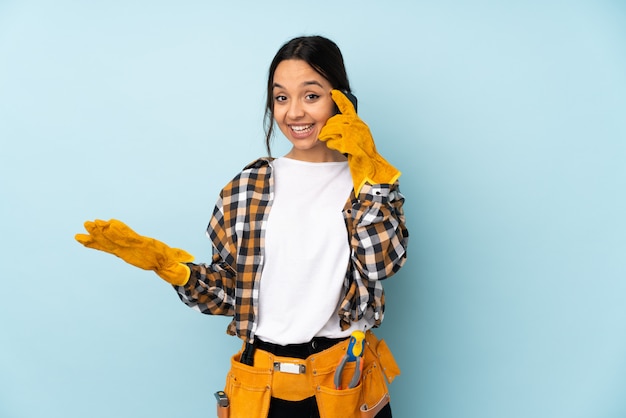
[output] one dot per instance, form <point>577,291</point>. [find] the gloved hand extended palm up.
<point>348,134</point>
<point>115,237</point>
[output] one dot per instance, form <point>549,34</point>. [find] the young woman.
<point>301,244</point>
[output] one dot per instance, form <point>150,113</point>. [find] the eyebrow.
<point>305,83</point>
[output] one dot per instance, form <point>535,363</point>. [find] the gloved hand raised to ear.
<point>115,237</point>
<point>348,134</point>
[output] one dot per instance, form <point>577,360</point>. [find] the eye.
<point>312,96</point>
<point>280,99</point>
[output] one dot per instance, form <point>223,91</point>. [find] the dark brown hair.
<point>322,54</point>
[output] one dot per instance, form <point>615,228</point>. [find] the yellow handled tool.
<point>354,353</point>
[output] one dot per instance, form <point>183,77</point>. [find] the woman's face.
<point>302,105</point>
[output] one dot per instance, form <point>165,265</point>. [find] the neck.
<point>324,155</point>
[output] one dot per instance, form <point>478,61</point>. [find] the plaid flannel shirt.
<point>230,284</point>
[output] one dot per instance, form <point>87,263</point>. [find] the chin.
<point>306,144</point>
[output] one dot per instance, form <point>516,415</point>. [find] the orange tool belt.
<point>249,388</point>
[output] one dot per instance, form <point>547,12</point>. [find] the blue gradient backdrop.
<point>507,119</point>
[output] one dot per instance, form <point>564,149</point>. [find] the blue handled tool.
<point>354,353</point>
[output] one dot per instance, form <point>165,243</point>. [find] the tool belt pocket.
<point>349,403</point>
<point>389,366</point>
<point>334,403</point>
<point>248,390</point>
<point>369,396</point>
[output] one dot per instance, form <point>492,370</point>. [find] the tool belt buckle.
<point>292,368</point>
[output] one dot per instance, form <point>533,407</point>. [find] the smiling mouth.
<point>301,129</point>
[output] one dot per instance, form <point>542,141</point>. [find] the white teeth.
<point>301,128</point>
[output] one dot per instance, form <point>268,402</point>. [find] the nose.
<point>296,110</point>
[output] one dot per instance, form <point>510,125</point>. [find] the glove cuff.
<point>379,171</point>
<point>175,274</point>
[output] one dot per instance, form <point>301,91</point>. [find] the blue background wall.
<point>507,119</point>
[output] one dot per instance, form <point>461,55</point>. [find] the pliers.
<point>354,353</point>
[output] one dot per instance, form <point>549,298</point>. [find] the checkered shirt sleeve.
<point>229,285</point>
<point>378,240</point>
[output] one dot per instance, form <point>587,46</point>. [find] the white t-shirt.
<point>306,253</point>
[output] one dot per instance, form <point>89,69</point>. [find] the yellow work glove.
<point>348,134</point>
<point>115,237</point>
